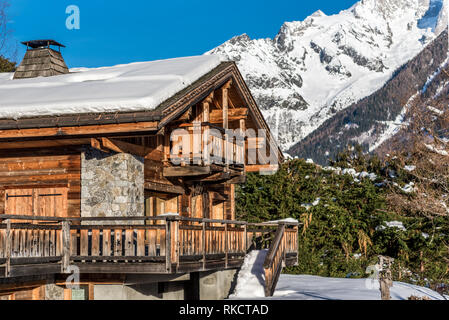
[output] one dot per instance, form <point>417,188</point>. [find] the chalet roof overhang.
<point>153,120</point>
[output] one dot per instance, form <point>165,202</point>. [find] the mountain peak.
<point>317,67</point>
<point>318,13</point>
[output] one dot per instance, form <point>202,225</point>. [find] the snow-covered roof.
<point>140,86</point>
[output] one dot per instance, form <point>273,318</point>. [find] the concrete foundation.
<point>145,291</point>
<point>216,285</point>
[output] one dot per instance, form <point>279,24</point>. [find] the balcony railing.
<point>163,244</point>
<point>207,144</point>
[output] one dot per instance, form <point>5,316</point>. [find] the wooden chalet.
<point>96,196</point>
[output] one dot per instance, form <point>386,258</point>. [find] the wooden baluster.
<point>73,242</point>
<point>2,243</point>
<point>129,245</point>
<point>203,243</point>
<point>8,248</point>
<point>226,245</point>
<point>168,240</point>
<point>58,242</point>
<point>35,243</point>
<point>40,235</point>
<point>189,241</point>
<point>197,242</point>
<point>84,243</point>
<point>95,243</point>
<point>118,246</point>
<point>106,243</point>
<point>175,242</point>
<point>245,239</point>
<point>52,243</point>
<point>22,246</point>
<point>65,242</point>
<point>141,243</point>
<point>152,242</point>
<point>161,241</point>
<point>16,243</point>
<point>46,243</point>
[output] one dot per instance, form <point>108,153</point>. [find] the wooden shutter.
<point>19,202</point>
<point>45,202</point>
<point>51,202</point>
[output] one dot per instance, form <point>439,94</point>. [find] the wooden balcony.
<point>200,147</point>
<point>144,245</point>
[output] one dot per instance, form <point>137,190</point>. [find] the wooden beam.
<point>96,144</point>
<point>217,196</point>
<point>219,176</point>
<point>77,131</point>
<point>237,180</point>
<point>216,116</point>
<point>164,188</point>
<point>206,112</point>
<point>187,171</point>
<point>106,144</point>
<point>225,107</point>
<point>264,167</point>
<point>209,98</point>
<point>43,143</point>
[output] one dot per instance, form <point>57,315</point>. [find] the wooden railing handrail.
<point>278,238</point>
<point>157,218</point>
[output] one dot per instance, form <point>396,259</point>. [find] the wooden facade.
<point>42,227</point>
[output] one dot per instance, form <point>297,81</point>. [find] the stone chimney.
<point>41,60</point>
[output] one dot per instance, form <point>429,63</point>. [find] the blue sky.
<point>113,32</point>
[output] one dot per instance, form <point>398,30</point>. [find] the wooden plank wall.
<point>44,171</point>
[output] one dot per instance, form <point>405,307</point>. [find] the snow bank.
<point>410,168</point>
<point>132,87</point>
<point>287,220</point>
<point>251,277</point>
<point>304,287</point>
<point>392,224</point>
<point>436,150</point>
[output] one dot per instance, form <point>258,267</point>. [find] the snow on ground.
<point>251,279</point>
<point>132,87</point>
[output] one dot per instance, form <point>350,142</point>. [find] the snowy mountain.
<point>314,68</point>
<point>375,119</point>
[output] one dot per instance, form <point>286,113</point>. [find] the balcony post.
<point>204,244</point>
<point>65,234</point>
<point>245,240</point>
<point>8,248</point>
<point>171,242</point>
<point>226,245</point>
<point>168,246</point>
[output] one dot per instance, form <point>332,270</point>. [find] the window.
<point>160,203</point>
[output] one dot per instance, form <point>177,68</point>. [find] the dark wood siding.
<point>27,171</point>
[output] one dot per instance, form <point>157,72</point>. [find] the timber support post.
<point>245,239</point>
<point>168,266</point>
<point>65,234</point>
<point>204,244</point>
<point>226,245</point>
<point>171,242</point>
<point>8,248</point>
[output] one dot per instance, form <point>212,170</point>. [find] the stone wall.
<point>112,184</point>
